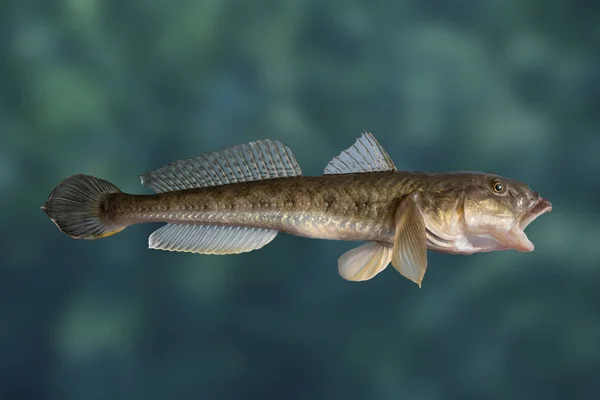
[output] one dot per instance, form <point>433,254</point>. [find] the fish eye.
<point>498,186</point>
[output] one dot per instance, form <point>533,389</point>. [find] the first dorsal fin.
<point>365,155</point>
<point>263,159</point>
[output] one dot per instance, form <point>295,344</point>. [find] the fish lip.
<point>540,207</point>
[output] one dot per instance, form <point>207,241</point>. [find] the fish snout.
<point>547,204</point>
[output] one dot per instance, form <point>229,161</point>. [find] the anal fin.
<point>364,262</point>
<point>210,239</point>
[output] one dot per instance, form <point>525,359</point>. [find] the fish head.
<point>499,208</point>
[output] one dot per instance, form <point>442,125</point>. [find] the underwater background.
<point>116,88</point>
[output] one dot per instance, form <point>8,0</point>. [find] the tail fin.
<point>77,207</point>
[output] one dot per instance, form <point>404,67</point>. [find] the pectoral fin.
<point>364,262</point>
<point>409,255</point>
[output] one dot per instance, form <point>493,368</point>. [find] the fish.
<point>238,199</point>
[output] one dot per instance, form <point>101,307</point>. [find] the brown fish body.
<point>357,207</point>
<point>338,207</point>
<point>237,200</point>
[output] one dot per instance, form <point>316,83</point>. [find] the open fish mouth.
<point>539,208</point>
<point>516,238</point>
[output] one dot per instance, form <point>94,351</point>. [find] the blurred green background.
<point>115,88</point>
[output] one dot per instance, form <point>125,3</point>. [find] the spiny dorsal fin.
<point>209,239</point>
<point>263,159</point>
<point>365,155</point>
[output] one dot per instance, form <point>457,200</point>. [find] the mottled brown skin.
<point>463,214</point>
<point>345,207</point>
<point>367,198</point>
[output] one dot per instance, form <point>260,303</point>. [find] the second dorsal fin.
<point>365,155</point>
<point>263,159</point>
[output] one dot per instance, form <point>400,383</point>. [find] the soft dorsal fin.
<point>263,159</point>
<point>365,155</point>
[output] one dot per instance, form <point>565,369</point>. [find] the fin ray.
<point>364,262</point>
<point>76,206</point>
<point>252,161</point>
<point>210,239</point>
<point>365,155</point>
<point>409,256</point>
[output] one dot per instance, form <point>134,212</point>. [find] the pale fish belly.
<point>332,227</point>
<point>310,225</point>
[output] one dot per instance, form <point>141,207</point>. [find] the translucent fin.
<point>364,262</point>
<point>76,206</point>
<point>409,256</point>
<point>209,239</point>
<point>245,162</point>
<point>365,155</point>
